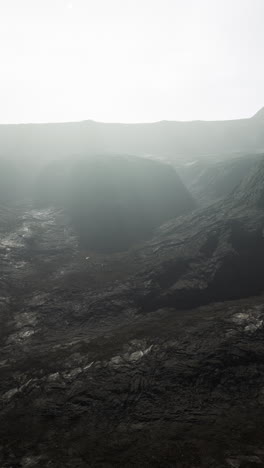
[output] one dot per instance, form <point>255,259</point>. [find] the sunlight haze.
<point>130,60</point>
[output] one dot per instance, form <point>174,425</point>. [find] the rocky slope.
<point>215,254</point>
<point>209,180</point>
<point>114,201</point>
<point>107,360</point>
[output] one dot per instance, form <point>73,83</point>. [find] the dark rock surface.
<point>107,360</point>
<point>216,253</point>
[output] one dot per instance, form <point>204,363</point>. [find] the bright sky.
<point>130,60</point>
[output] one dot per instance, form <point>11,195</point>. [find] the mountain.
<point>114,201</point>
<point>259,115</point>
<point>166,139</point>
<point>210,180</point>
<point>149,357</point>
<point>214,254</point>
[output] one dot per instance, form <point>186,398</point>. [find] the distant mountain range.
<point>166,139</point>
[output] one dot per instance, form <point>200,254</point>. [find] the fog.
<point>130,61</point>
<point>119,182</point>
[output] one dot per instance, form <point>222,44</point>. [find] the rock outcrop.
<point>216,253</point>
<point>209,181</point>
<point>114,201</point>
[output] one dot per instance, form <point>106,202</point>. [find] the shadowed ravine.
<point>108,360</point>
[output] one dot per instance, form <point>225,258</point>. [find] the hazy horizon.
<point>128,123</point>
<point>129,61</point>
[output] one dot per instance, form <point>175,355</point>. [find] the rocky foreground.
<point>151,358</point>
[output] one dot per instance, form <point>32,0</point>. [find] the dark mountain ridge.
<point>166,139</point>
<point>211,180</point>
<point>215,253</point>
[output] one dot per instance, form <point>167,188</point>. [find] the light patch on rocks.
<point>73,373</point>
<point>30,461</point>
<point>10,393</point>
<point>20,264</point>
<point>116,361</point>
<point>136,356</point>
<point>5,300</point>
<point>26,232</point>
<point>4,363</point>
<point>11,241</point>
<point>130,356</point>
<point>26,334</point>
<point>88,366</point>
<point>53,377</point>
<point>20,336</point>
<point>26,319</point>
<point>241,317</point>
<point>139,354</point>
<point>251,320</point>
<point>39,214</point>
<point>38,299</point>
<point>252,327</point>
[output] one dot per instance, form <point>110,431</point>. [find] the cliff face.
<point>216,253</point>
<point>114,201</point>
<point>209,180</point>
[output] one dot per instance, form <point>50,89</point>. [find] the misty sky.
<point>130,60</point>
